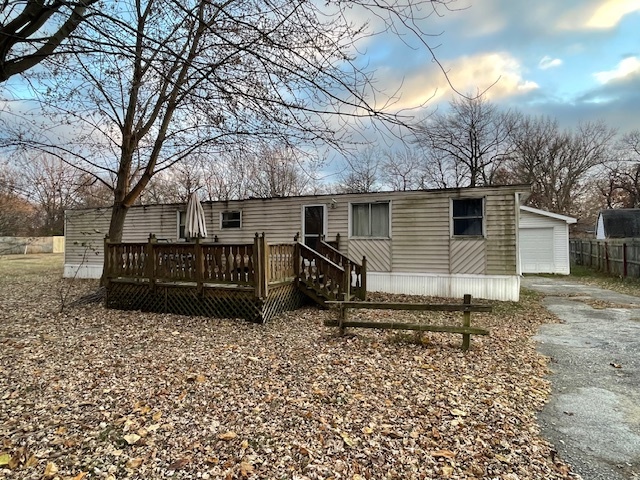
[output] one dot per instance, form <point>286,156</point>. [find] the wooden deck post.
<point>150,262</point>
<point>466,322</point>
<point>347,281</point>
<point>363,279</point>
<point>199,259</point>
<point>343,317</point>
<point>257,263</point>
<point>265,264</point>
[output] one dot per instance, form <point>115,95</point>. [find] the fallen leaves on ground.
<point>93,393</point>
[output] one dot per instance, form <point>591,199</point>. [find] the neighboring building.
<point>444,242</point>
<point>544,241</point>
<point>618,223</point>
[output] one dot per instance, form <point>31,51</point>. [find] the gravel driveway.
<point>593,416</point>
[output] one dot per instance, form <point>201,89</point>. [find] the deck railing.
<point>256,265</point>
<point>357,273</point>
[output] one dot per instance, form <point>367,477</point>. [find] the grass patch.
<point>585,275</point>
<point>31,264</point>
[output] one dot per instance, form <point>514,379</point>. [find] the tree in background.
<point>558,163</point>
<point>468,144</point>
<point>620,187</point>
<point>362,172</point>
<point>404,169</point>
<point>150,83</point>
<point>18,216</point>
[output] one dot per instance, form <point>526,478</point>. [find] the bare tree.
<point>278,171</point>
<point>52,186</point>
<point>150,83</point>
<point>18,216</point>
<point>362,172</point>
<point>620,187</point>
<point>32,30</point>
<point>468,144</point>
<point>557,163</point>
<point>404,169</point>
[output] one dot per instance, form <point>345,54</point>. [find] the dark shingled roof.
<point>621,222</point>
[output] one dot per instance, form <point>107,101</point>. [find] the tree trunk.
<point>118,215</point>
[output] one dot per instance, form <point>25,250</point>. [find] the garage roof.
<point>544,213</point>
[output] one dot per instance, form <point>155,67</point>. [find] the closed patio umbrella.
<point>195,225</point>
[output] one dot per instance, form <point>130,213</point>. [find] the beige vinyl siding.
<point>501,228</point>
<point>378,253</point>
<point>84,236</point>
<point>420,229</point>
<point>468,256</point>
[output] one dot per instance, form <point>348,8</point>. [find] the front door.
<point>313,224</point>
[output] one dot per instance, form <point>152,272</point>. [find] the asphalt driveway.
<point>593,416</point>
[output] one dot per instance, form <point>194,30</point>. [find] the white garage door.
<point>536,250</point>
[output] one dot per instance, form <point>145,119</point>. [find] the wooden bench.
<point>466,308</point>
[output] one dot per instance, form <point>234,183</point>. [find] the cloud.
<point>628,67</point>
<point>598,15</point>
<point>547,62</point>
<point>498,72</point>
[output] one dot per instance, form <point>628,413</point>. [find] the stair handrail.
<point>360,269</point>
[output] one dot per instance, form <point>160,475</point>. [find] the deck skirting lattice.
<point>222,302</point>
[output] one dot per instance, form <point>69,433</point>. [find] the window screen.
<point>231,219</point>
<point>467,217</point>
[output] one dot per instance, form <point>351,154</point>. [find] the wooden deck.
<point>254,281</point>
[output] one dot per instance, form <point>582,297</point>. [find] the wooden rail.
<point>320,274</point>
<point>256,264</point>
<point>465,329</point>
<point>357,273</point>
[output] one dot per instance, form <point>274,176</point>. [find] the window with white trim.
<point>231,219</point>
<point>468,216</point>
<point>182,221</point>
<point>370,220</point>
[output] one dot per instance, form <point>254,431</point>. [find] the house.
<point>544,241</point>
<point>618,223</point>
<point>445,242</point>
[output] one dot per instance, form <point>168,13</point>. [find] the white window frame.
<point>230,228</point>
<point>179,213</point>
<point>452,218</point>
<point>371,202</point>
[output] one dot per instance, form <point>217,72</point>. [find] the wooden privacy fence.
<point>465,329</point>
<point>614,256</point>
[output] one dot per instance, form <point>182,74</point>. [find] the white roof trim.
<point>548,214</point>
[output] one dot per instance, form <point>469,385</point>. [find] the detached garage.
<point>544,241</point>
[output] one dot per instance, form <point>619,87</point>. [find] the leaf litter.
<point>91,393</point>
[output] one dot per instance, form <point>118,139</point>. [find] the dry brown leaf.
<point>156,416</point>
<point>443,453</point>
<point>447,470</point>
<point>458,413</point>
<point>50,470</point>
<point>80,476</point>
<point>227,436</point>
<point>32,461</point>
<point>134,462</point>
<point>246,469</point>
<point>132,438</point>
<point>180,463</point>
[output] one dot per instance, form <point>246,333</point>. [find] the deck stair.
<point>328,275</point>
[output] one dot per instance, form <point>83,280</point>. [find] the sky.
<point>573,60</point>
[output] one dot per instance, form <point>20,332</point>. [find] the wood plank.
<point>414,306</point>
<point>407,326</point>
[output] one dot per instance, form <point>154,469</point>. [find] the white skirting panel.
<point>82,271</point>
<point>491,287</point>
